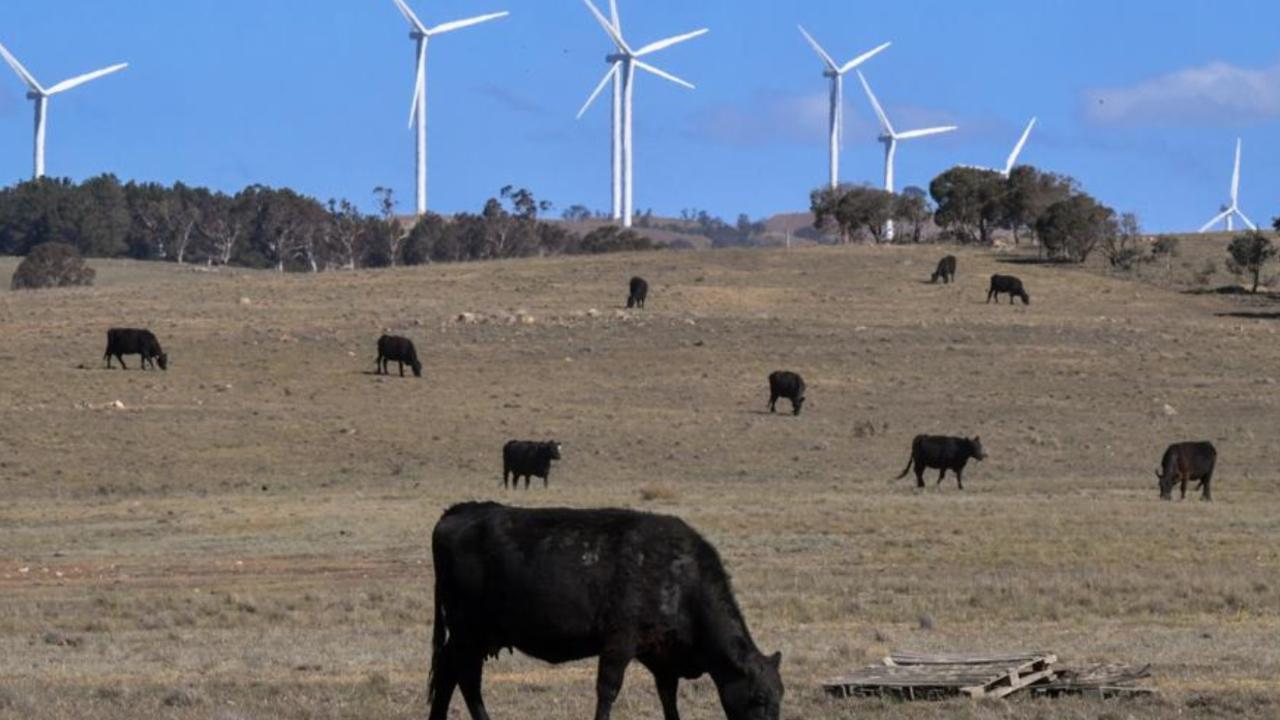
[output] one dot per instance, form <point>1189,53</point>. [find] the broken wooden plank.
<point>918,676</point>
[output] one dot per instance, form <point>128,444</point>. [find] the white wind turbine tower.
<point>890,138</point>
<point>622,71</point>
<point>421,34</point>
<point>1234,210</point>
<point>836,73</point>
<point>40,95</point>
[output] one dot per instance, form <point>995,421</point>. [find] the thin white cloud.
<point>1214,94</point>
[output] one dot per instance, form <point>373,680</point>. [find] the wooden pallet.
<point>911,676</point>
<point>1105,681</point>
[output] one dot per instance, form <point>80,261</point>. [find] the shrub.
<point>52,265</point>
<point>1249,254</point>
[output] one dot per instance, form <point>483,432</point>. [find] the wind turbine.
<point>890,138</point>
<point>1017,149</point>
<point>1234,209</point>
<point>837,73</point>
<point>622,71</point>
<point>40,96</point>
<point>421,34</point>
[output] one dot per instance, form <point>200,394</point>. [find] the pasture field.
<point>248,536</point>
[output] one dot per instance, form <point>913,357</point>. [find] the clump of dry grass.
<point>658,492</point>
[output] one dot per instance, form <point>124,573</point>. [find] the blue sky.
<point>1141,101</point>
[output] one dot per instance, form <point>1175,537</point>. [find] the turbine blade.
<point>27,77</point>
<point>613,73</point>
<point>87,77</point>
<point>862,58</point>
<point>831,64</point>
<point>654,47</point>
<point>1017,149</point>
<point>875,104</point>
<point>1246,220</point>
<point>663,74</point>
<point>614,34</point>
<point>459,24</point>
<point>614,17</point>
<point>1216,219</point>
<point>926,132</point>
<point>408,15</point>
<point>1235,177</point>
<point>419,85</point>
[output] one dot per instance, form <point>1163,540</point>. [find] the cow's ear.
<point>776,660</point>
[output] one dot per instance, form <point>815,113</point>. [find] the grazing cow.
<point>789,385</point>
<point>134,341</point>
<point>562,585</point>
<point>944,453</point>
<point>1007,284</point>
<point>400,350</point>
<point>639,291</point>
<point>1184,462</point>
<point>946,270</point>
<point>522,457</point>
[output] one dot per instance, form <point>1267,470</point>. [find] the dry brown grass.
<point>248,537</point>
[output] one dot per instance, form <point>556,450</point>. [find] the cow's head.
<point>797,403</point>
<point>1026,297</point>
<point>1166,483</point>
<point>417,368</point>
<point>756,694</point>
<point>163,361</point>
<point>976,444</point>
<point>631,301</point>
<point>554,448</point>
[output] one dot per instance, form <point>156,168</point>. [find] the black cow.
<point>522,457</point>
<point>944,453</point>
<point>1007,284</point>
<point>135,341</point>
<point>1187,461</point>
<point>786,384</point>
<point>946,270</point>
<point>400,350</point>
<point>561,585</point>
<point>639,292</point>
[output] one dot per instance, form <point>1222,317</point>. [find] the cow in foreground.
<point>522,457</point>
<point>946,270</point>
<point>400,350</point>
<point>1184,462</point>
<point>135,341</point>
<point>562,585</point>
<point>638,294</point>
<point>944,453</point>
<point>1010,285</point>
<point>786,384</point>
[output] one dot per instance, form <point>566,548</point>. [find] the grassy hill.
<point>246,535</point>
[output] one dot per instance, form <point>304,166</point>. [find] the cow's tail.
<point>907,469</point>
<point>439,635</point>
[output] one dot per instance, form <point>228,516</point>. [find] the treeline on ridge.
<point>264,227</point>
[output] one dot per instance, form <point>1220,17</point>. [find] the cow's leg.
<point>1204,495</point>
<point>919,475</point>
<point>527,478</point>
<point>668,684</point>
<point>989,293</point>
<point>121,359</point>
<point>1185,477</point>
<point>773,401</point>
<point>613,668</point>
<point>960,478</point>
<point>469,674</point>
<point>444,678</point>
<point>942,473</point>
<point>546,479</point>
<point>401,364</point>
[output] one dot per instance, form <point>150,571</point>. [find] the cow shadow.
<point>1236,290</point>
<point>1250,315</point>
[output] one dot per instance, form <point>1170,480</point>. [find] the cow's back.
<point>553,582</point>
